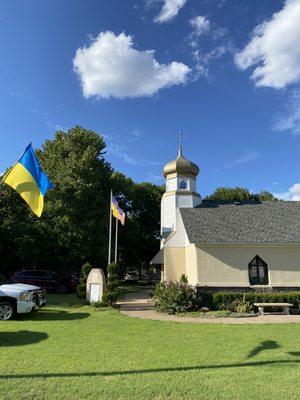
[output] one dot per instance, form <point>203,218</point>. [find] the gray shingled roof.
<point>266,222</point>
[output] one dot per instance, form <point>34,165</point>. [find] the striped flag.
<point>29,180</point>
<point>117,211</point>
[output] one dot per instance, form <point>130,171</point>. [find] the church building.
<point>254,245</point>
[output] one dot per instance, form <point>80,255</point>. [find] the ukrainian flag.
<point>29,180</point>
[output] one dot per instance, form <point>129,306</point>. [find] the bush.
<point>112,277</point>
<point>110,298</point>
<point>99,304</point>
<point>81,287</point>
<point>174,297</point>
<point>235,300</point>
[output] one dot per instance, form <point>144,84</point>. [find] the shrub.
<point>110,298</point>
<point>112,277</point>
<point>99,304</point>
<point>81,287</point>
<point>174,297</point>
<point>233,300</point>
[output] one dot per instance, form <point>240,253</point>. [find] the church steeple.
<point>181,192</point>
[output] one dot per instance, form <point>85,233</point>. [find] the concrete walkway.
<point>139,305</point>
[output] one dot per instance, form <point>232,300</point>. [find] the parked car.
<point>48,280</point>
<point>19,298</point>
<point>131,277</point>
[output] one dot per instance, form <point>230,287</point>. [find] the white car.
<point>19,298</point>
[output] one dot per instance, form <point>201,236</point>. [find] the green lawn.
<point>72,351</point>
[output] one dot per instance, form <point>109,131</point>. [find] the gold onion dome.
<point>181,166</point>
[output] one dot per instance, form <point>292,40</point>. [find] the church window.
<point>258,272</point>
<point>183,184</point>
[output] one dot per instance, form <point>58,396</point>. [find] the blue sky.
<point>227,73</point>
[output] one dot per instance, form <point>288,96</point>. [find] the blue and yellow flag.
<point>117,211</point>
<point>29,180</point>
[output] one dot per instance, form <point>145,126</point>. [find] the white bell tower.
<point>181,191</point>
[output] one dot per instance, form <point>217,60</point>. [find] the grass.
<point>73,351</point>
<point>214,314</point>
<point>207,314</point>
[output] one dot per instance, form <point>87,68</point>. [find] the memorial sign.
<point>95,285</point>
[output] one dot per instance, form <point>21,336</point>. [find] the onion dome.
<point>181,166</point>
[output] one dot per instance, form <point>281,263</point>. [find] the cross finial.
<point>180,143</point>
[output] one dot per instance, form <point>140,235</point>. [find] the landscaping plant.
<point>174,297</point>
<point>81,287</point>
<point>110,297</point>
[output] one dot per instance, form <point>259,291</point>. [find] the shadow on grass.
<point>147,371</point>
<point>21,338</point>
<point>55,315</point>
<point>266,345</point>
<point>295,353</point>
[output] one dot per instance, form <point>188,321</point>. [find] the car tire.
<point>7,310</point>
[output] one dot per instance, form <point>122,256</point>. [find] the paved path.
<point>139,305</point>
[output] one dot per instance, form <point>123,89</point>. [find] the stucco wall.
<point>225,265</point>
<point>174,263</point>
<point>180,260</point>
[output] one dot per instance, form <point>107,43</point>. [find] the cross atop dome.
<point>181,165</point>
<point>180,143</point>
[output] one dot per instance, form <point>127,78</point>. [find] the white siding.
<point>184,201</point>
<point>171,184</point>
<point>167,213</point>
<point>179,238</point>
<point>196,201</point>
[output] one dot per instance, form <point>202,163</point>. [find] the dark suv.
<point>47,280</point>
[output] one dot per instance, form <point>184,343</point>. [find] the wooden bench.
<point>284,306</point>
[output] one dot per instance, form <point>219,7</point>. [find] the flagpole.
<point>110,226</point>
<point>116,241</point>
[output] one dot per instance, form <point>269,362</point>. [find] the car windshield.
<point>3,280</point>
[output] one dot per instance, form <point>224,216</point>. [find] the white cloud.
<point>289,119</point>
<point>274,49</point>
<point>292,194</point>
<point>111,67</point>
<point>200,25</point>
<point>244,158</point>
<point>121,152</point>
<point>138,133</point>
<point>203,59</point>
<point>169,10</point>
<point>208,43</point>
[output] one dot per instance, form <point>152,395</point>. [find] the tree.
<point>78,207</point>
<point>73,227</point>
<point>230,194</point>
<point>239,194</point>
<point>139,238</point>
<point>266,196</point>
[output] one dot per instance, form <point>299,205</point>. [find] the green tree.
<point>139,238</point>
<point>239,194</point>
<point>77,208</point>
<point>73,227</point>
<point>230,194</point>
<point>266,196</point>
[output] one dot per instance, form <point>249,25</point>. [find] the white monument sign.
<point>95,285</point>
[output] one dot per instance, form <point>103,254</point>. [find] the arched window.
<point>258,272</point>
<point>183,184</point>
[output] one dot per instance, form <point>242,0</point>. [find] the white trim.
<point>247,244</point>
